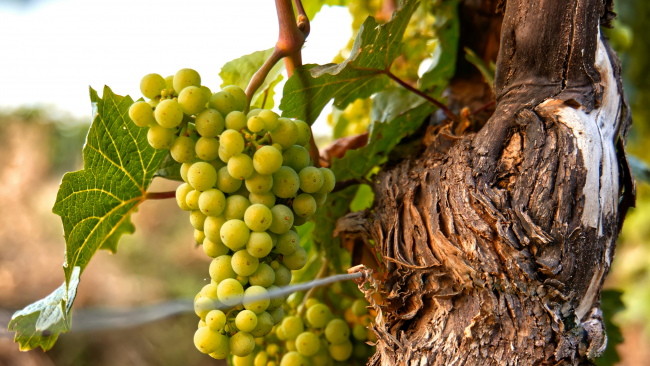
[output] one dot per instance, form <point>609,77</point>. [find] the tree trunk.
<point>497,243</point>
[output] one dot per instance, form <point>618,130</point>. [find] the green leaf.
<point>169,169</point>
<point>39,324</point>
<point>364,73</point>
<point>240,71</point>
<point>610,304</point>
<point>312,7</point>
<point>639,168</point>
<point>363,199</point>
<point>486,71</point>
<point>264,99</point>
<point>447,27</point>
<point>392,102</point>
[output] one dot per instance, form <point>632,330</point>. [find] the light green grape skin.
<point>217,164</point>
<point>206,340</point>
<point>259,244</point>
<point>221,269</point>
<point>236,120</point>
<point>304,132</point>
<point>239,94</point>
<point>182,150</point>
<point>212,202</point>
<point>202,306</point>
<point>264,276</point>
<point>270,119</point>
<point>282,219</point>
<point>215,320</point>
<point>244,361</point>
<point>169,113</point>
<point>232,142</point>
<point>277,314</point>
<point>181,196</point>
<point>246,321</point>
<point>202,176</point>
<point>244,264</point>
<point>169,82</point>
<point>282,276</point>
<point>207,93</point>
<point>160,138</point>
<point>209,291</point>
<point>360,333</point>
<point>242,191</point>
<point>279,332</point>
<point>185,78</point>
<point>153,103</point>
<point>318,315</point>
<point>295,299</point>
<point>264,324</point>
<point>236,207</point>
<point>243,280</point>
<point>258,305</point>
<point>329,181</point>
<point>292,326</point>
<point>320,199</point>
<point>230,292</point>
<point>337,331</point>
<point>311,179</point>
<point>299,221</point>
<point>192,100</point>
<point>209,123</point>
<point>258,183</point>
<point>184,168</point>
<point>261,359</point>
<point>240,166</point>
<point>223,349</point>
<point>293,358</point>
<point>288,243</point>
<point>242,344</point>
<point>307,344</point>
<point>223,102</point>
<point>202,324</point>
<point>274,239</point>
<point>297,260</point>
<point>223,156</point>
<point>226,183</point>
<point>141,114</point>
<point>253,113</point>
<point>304,205</point>
<point>258,217</point>
<point>359,307</point>
<point>212,228</point>
<point>255,124</point>
<point>234,234</point>
<point>267,160</point>
<point>277,146</point>
<point>266,199</point>
<point>151,85</point>
<point>285,182</point>
<point>285,134</point>
<point>207,148</point>
<point>273,349</point>
<point>341,352</point>
<point>197,218</point>
<point>322,357</point>
<point>296,157</point>
<point>213,249</point>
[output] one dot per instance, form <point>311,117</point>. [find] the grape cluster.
<point>249,180</point>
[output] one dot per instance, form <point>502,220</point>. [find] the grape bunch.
<point>249,180</point>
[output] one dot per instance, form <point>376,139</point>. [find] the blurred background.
<point>52,50</point>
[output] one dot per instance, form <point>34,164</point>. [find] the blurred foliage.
<point>611,304</point>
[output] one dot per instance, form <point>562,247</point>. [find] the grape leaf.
<point>364,73</point>
<point>264,99</point>
<point>169,169</point>
<point>392,102</point>
<point>447,28</point>
<point>240,71</point>
<point>312,7</point>
<point>611,304</point>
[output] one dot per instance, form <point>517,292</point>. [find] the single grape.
<point>221,269</point>
<point>296,157</point>
<point>293,358</point>
<point>273,349</point>
<point>232,142</point>
<point>169,113</point>
<point>207,148</point>
<point>234,234</point>
<point>264,324</point>
<point>342,351</point>
<point>318,315</point>
<point>258,183</point>
<point>274,239</point>
<point>197,218</point>
<point>206,340</point>
<point>299,221</point>
<point>277,314</point>
<point>304,132</point>
<point>238,94</point>
<point>270,119</point>
<point>199,236</point>
<point>288,243</point>
<point>240,166</point>
<point>246,320</point>
<point>267,160</point>
<point>215,319</point>
<point>264,275</point>
<point>266,199</point>
<point>223,156</point>
<point>256,299</point>
<point>285,134</point>
<point>322,357</point>
<point>311,179</point>
<point>285,182</point>
<point>213,249</point>
<point>212,202</point>
<point>337,331</point>
<point>151,85</point>
<point>212,227</point>
<point>282,219</point>
<point>192,100</point>
<point>141,114</point>
<point>153,103</point>
<point>223,102</point>
<point>253,112</point>
<point>182,150</point>
<point>282,276</point>
<point>258,218</point>
<point>297,260</point>
<point>185,78</point>
<point>261,359</point>
<point>209,123</point>
<point>320,199</point>
<point>244,264</point>
<point>223,348</point>
<point>329,181</point>
<point>203,305</point>
<point>307,343</point>
<point>169,82</point>
<point>279,332</point>
<point>259,244</point>
<point>292,326</point>
<point>360,333</point>
<point>202,324</point>
<point>304,205</point>
<point>226,183</point>
<point>236,120</point>
<point>181,196</point>
<point>242,344</point>
<point>184,168</point>
<point>274,264</point>
<point>207,93</point>
<point>230,292</point>
<point>277,146</point>
<point>244,361</point>
<point>243,280</point>
<point>160,137</point>
<point>255,124</point>
<point>210,291</point>
<point>359,307</point>
<point>202,176</point>
<point>236,207</point>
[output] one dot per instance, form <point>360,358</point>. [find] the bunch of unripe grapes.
<point>249,180</point>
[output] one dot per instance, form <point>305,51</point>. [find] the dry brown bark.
<point>498,242</point>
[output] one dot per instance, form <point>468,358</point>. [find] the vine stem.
<point>451,115</point>
<point>160,195</point>
<point>310,293</point>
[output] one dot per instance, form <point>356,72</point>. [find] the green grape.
<point>169,113</point>
<point>266,199</point>
<point>207,148</point>
<point>297,260</point>
<point>221,269</point>
<point>311,179</point>
<point>307,343</point>
<point>282,219</point>
<point>244,361</point>
<point>258,218</point>
<point>234,234</point>
<point>236,207</point>
<point>279,332</point>
<point>292,326</point>
<point>197,218</point>
<point>212,202</point>
<point>277,146</point>
<point>210,291</point>
<point>153,103</point>
<point>277,314</point>
<point>304,205</point>
<point>182,150</point>
<point>184,168</point>
<point>192,100</point>
<point>274,264</point>
<point>282,276</point>
<point>207,93</point>
<point>274,239</point>
<point>360,333</point>
<point>246,321</point>
<point>206,340</point>
<point>214,249</point>
<point>288,243</point>
<point>202,306</point>
<point>240,166</point>
<point>199,236</point>
<point>223,102</point>
<point>273,349</point>
<point>257,305</point>
<point>232,142</point>
<point>141,114</point>
<point>236,120</point>
<point>223,156</point>
<point>264,275</point>
<point>329,181</point>
<point>293,358</point>
<point>342,351</point>
<point>285,182</point>
<point>290,344</point>
<point>322,357</point>
<point>295,299</point>
<point>320,198</point>
<point>212,227</point>
<point>267,160</point>
<point>215,319</point>
<point>295,157</point>
<point>299,221</point>
<point>359,307</point>
<point>259,244</point>
<point>304,132</point>
<point>181,196</point>
<point>202,323</point>
<point>217,164</point>
<point>244,264</point>
<point>258,183</point>
<point>243,280</point>
<point>169,82</point>
<point>318,315</point>
<point>286,133</point>
<point>270,119</point>
<point>185,78</point>
<point>230,291</point>
<point>225,182</point>
<point>255,124</point>
<point>337,331</point>
<point>277,300</point>
<point>242,191</point>
<point>261,359</point>
<point>209,123</point>
<point>240,96</point>
<point>253,112</point>
<point>242,344</point>
<point>264,324</point>
<point>151,85</point>
<point>160,138</point>
<point>223,348</point>
<point>202,176</point>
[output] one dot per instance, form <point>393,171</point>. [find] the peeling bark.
<point>498,243</point>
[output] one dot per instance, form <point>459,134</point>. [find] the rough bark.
<point>498,243</point>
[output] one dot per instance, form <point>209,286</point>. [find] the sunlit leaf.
<point>240,71</point>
